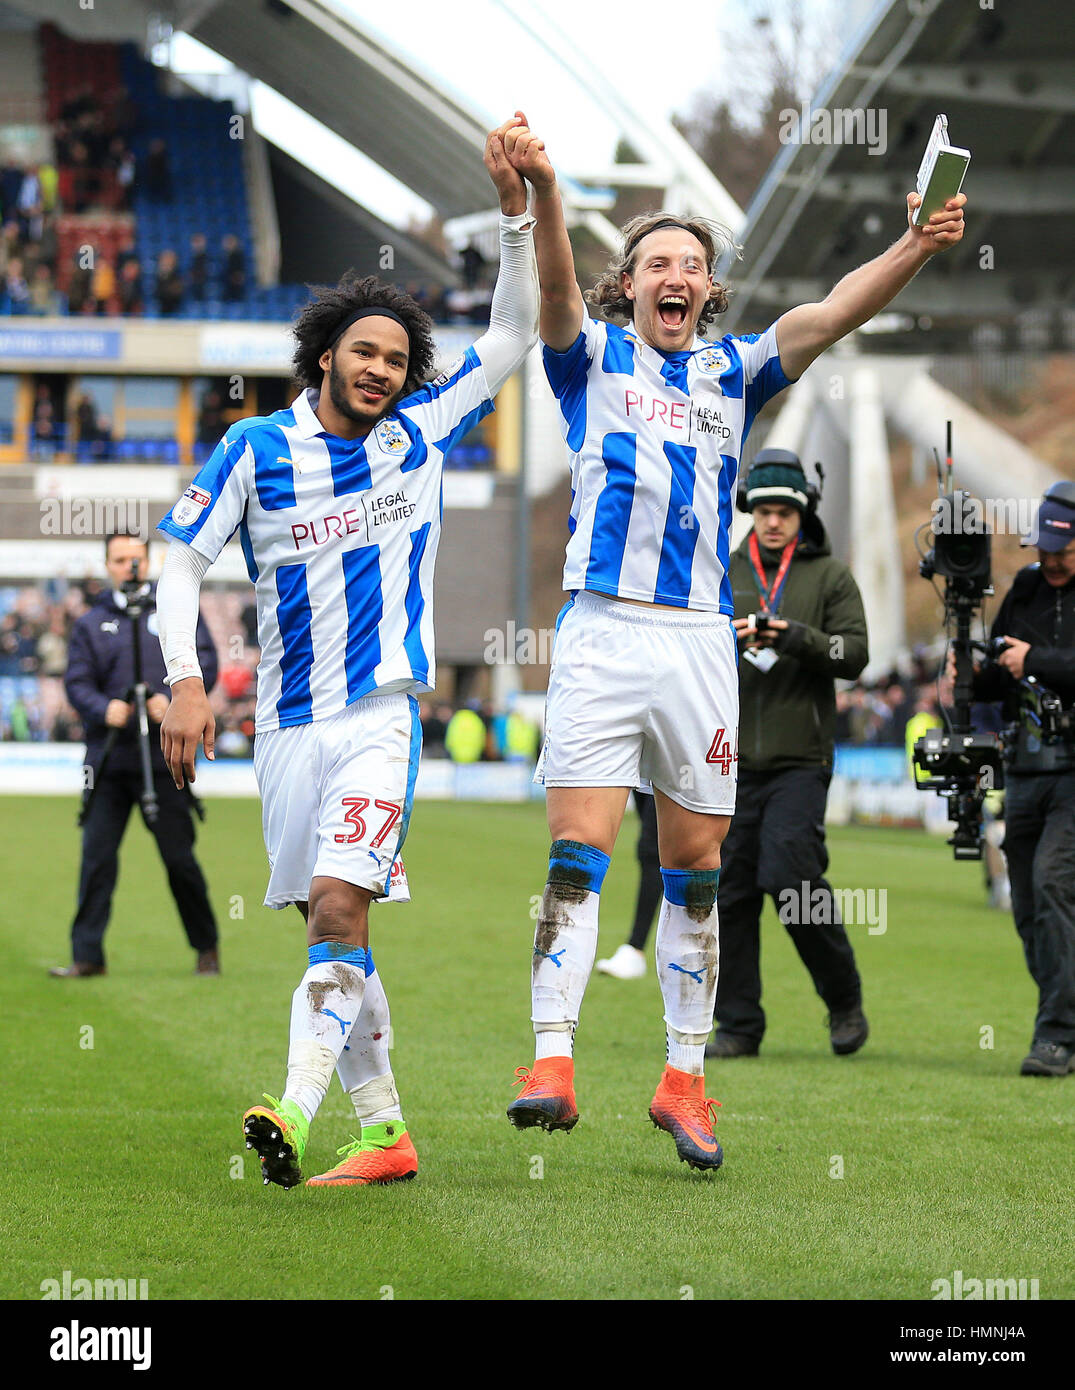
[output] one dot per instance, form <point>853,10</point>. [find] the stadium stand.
<point>130,161</point>
<point>112,96</point>
<point>22,99</point>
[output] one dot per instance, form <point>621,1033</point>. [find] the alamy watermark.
<point>95,516</point>
<point>819,906</point>
<point>77,1343</point>
<point>964,515</point>
<point>856,125</point>
<point>68,1287</point>
<point>513,645</point>
<point>960,1288</point>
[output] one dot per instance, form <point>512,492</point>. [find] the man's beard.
<point>337,390</point>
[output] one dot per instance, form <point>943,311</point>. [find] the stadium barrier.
<point>55,769</point>
<point>870,786</point>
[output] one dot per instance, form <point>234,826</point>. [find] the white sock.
<point>565,943</point>
<point>687,955</point>
<point>364,1066</point>
<point>323,1012</point>
<point>553,1042</point>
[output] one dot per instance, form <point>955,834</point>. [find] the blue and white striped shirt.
<point>655,440</point>
<point>340,538</point>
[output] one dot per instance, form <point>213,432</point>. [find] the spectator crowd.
<point>94,171</point>
<point>35,622</point>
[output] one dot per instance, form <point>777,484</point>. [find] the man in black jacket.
<point>100,673</point>
<point>811,630</point>
<point>1037,621</point>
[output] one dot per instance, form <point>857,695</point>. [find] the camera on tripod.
<point>957,763</point>
<point>136,590</point>
<point>138,594</point>
<point>962,548</point>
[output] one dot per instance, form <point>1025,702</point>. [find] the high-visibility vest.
<point>464,740</point>
<point>520,737</point>
<point>917,727</point>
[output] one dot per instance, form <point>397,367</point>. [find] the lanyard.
<point>770,598</point>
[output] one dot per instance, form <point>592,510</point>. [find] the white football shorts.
<point>336,798</point>
<point>643,697</point>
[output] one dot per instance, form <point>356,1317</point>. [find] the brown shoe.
<point>208,962</point>
<point>80,970</point>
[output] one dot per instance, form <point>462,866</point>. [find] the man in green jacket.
<point>801,625</point>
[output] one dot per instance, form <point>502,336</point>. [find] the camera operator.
<point>800,623</point>
<point>100,677</point>
<point>1036,624</point>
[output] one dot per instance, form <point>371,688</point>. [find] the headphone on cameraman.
<point>813,491</point>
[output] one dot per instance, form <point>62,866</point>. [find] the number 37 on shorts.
<point>382,819</point>
<point>374,823</point>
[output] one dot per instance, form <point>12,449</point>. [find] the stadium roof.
<point>347,233</point>
<point>318,55</point>
<point>1006,80</point>
<point>319,58</point>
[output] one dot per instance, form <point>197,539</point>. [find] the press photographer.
<point>1032,661</point>
<point>800,624</point>
<point>126,766</point>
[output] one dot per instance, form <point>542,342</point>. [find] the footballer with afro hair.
<point>338,502</point>
<point>340,335</point>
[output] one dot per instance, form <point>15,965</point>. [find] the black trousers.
<point>116,794</point>
<point>1039,844</point>
<point>650,883</point>
<point>777,843</point>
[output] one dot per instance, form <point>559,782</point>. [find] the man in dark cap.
<point>1036,622</point>
<point>800,625</point>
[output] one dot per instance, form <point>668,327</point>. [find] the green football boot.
<point>278,1132</point>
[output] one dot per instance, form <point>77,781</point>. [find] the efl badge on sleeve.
<point>446,376</point>
<point>712,361</point>
<point>392,437</point>
<point>190,506</point>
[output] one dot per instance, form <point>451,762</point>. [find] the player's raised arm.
<point>805,332</point>
<point>189,720</point>
<point>562,306</point>
<point>512,329</point>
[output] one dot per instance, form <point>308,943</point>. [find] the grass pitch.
<point>123,1153</point>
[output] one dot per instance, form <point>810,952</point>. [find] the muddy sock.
<point>687,962</point>
<point>565,943</point>
<point>323,1012</point>
<point>364,1067</point>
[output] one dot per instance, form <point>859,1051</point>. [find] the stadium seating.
<point>101,231</point>
<point>22,96</point>
<point>71,66</point>
<point>209,191</point>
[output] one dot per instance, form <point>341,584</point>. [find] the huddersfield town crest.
<point>712,361</point>
<point>392,437</point>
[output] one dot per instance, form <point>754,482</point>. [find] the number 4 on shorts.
<point>720,751</point>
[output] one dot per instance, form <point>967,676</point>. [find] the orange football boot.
<point>548,1095</point>
<point>681,1108</point>
<point>372,1159</point>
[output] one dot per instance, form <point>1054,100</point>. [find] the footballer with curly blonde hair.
<point>643,689</point>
